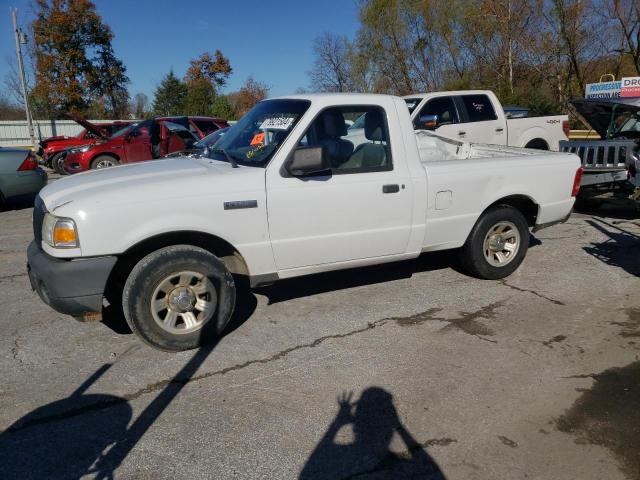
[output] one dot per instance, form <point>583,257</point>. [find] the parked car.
<point>141,141</point>
<point>478,116</point>
<point>20,176</point>
<point>50,149</point>
<point>607,162</point>
<point>284,193</point>
<point>198,148</point>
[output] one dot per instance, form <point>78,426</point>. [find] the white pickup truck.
<point>285,193</point>
<point>478,116</point>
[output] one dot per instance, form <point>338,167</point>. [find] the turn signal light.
<point>576,182</point>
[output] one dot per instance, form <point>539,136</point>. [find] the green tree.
<point>66,34</point>
<point>170,95</point>
<point>222,108</point>
<point>205,74</point>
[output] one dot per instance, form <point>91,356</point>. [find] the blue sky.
<point>272,41</point>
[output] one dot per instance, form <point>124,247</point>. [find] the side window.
<point>479,108</point>
<point>362,148</point>
<point>443,107</point>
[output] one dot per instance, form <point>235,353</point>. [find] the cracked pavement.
<point>451,377</point>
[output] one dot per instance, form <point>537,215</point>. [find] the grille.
<point>38,215</point>
<point>601,154</point>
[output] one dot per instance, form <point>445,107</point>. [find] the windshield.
<point>412,103</point>
<point>627,124</point>
<point>211,139</point>
<point>257,136</point>
<point>124,130</point>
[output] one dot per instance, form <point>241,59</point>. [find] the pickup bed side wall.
<point>475,185</point>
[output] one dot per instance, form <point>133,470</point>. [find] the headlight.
<point>82,149</point>
<point>59,232</point>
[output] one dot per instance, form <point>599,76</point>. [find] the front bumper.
<point>73,287</point>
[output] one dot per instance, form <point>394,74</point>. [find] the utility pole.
<point>22,39</point>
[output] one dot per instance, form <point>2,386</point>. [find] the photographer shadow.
<point>374,422</point>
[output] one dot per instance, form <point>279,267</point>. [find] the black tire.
<point>537,144</point>
<point>57,164</point>
<point>472,255</point>
<point>152,272</point>
<point>103,159</point>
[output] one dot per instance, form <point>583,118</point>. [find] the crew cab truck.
<point>478,116</point>
<point>283,194</point>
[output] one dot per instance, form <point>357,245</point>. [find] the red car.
<point>51,149</point>
<point>141,141</point>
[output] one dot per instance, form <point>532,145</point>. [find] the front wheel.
<point>178,298</point>
<point>104,161</point>
<point>57,163</point>
<point>497,244</point>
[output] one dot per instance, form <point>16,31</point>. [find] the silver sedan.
<point>20,176</point>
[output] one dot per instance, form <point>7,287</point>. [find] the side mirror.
<point>307,161</point>
<point>427,122</point>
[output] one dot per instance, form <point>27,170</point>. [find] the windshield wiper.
<point>230,159</point>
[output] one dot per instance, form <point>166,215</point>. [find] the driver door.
<point>360,209</point>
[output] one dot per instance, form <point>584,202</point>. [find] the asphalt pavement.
<point>408,370</point>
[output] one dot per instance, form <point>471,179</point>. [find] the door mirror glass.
<point>307,161</point>
<point>427,122</point>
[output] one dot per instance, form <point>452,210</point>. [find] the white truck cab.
<point>288,191</point>
<point>478,116</point>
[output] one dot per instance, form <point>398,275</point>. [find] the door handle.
<point>394,188</point>
<point>499,129</point>
<point>461,133</point>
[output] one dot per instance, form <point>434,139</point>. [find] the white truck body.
<point>478,116</point>
<point>342,222</point>
<point>407,193</point>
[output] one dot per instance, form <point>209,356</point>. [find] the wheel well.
<point>538,144</point>
<point>232,259</point>
<point>525,205</point>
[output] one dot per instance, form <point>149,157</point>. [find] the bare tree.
<point>140,105</point>
<point>626,16</point>
<point>330,71</point>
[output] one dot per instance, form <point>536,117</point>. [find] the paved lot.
<point>535,377</point>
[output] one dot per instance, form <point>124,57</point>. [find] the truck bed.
<point>436,148</point>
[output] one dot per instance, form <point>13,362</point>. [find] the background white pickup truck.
<point>285,193</point>
<point>478,116</point>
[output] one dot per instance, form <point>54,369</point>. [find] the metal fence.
<point>15,133</point>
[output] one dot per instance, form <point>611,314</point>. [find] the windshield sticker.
<point>277,123</point>
<point>257,139</point>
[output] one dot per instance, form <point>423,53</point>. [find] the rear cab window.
<point>478,108</point>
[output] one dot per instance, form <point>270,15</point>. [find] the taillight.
<point>565,128</point>
<point>576,182</point>
<point>30,163</point>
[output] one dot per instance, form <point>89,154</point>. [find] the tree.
<point>67,78</point>
<point>222,108</point>
<point>251,92</point>
<point>205,74</point>
<point>140,105</point>
<point>215,68</point>
<point>169,96</point>
<point>626,15</point>
<point>330,71</point>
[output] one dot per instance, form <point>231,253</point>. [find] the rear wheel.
<point>104,161</point>
<point>497,244</point>
<point>178,298</point>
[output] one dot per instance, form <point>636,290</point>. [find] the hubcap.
<point>501,244</point>
<point>183,302</point>
<point>105,164</point>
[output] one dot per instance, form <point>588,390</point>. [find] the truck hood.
<point>596,113</point>
<point>180,177</point>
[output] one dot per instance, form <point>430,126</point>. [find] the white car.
<point>478,116</point>
<point>285,193</point>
